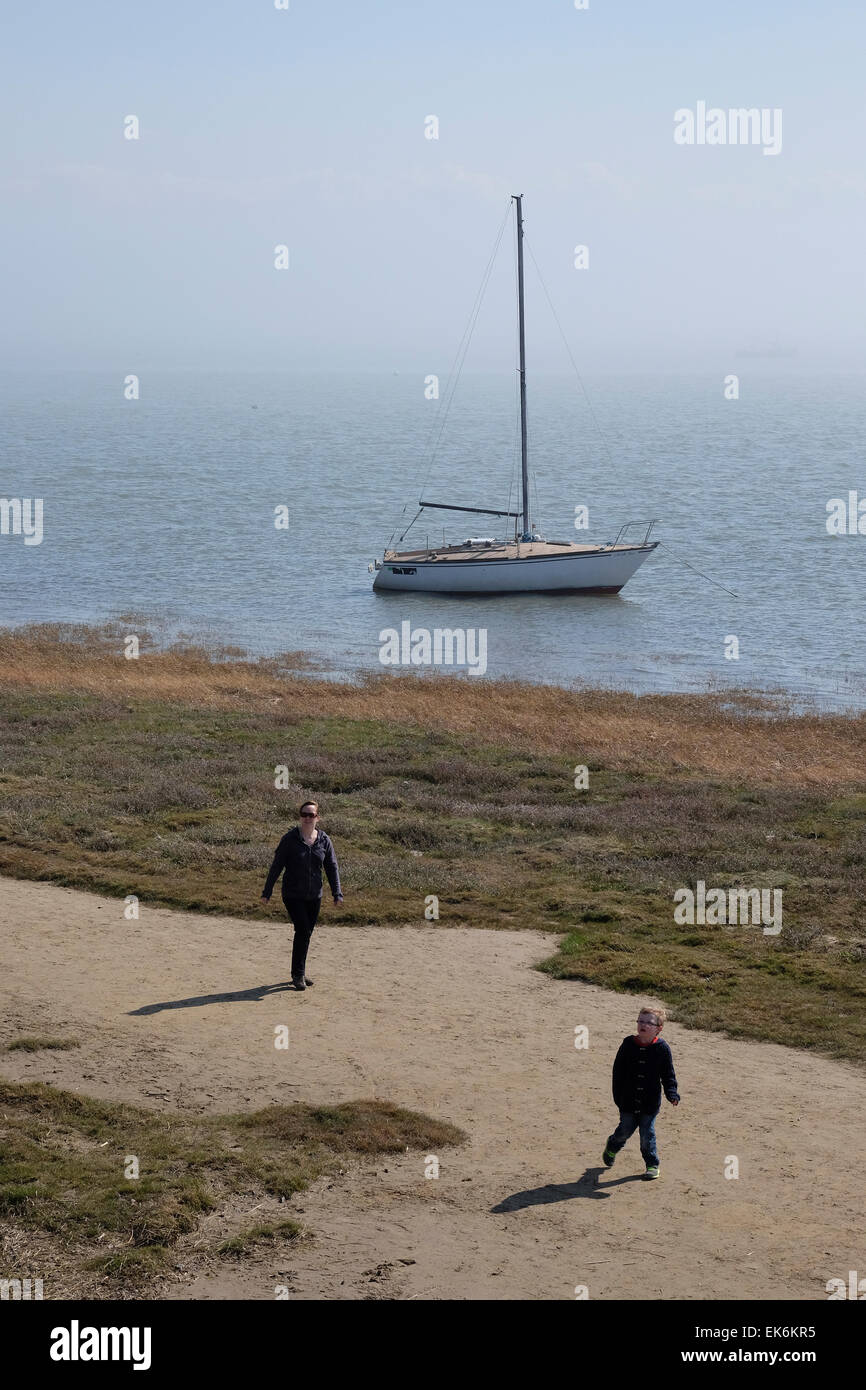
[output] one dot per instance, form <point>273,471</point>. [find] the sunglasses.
<point>309,815</point>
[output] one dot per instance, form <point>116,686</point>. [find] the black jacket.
<point>639,1074</point>
<point>301,866</point>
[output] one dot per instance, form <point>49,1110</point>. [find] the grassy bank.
<point>66,1192</point>
<point>155,777</point>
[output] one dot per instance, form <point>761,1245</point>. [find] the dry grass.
<point>726,735</point>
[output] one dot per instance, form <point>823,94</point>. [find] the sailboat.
<point>524,562</point>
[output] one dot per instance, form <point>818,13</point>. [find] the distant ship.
<point>525,562</point>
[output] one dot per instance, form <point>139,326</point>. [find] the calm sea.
<point>165,506</point>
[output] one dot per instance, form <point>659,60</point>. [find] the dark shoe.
<point>307,981</point>
<point>299,982</point>
<point>607,1158</point>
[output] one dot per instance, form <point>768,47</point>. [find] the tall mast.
<point>524,474</point>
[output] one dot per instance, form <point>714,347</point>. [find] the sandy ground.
<point>178,1011</point>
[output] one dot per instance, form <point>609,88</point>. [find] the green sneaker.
<point>651,1172</point>
<point>607,1158</point>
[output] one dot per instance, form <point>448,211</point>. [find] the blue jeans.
<point>626,1128</point>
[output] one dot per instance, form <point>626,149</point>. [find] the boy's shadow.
<point>586,1186</point>
<point>254,995</point>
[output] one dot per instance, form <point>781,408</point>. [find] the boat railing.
<point>647,525</point>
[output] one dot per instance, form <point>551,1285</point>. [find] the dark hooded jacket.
<point>301,866</point>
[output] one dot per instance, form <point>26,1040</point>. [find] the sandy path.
<point>457,1024</point>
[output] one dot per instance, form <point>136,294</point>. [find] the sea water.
<point>246,509</point>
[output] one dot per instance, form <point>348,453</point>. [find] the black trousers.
<point>303,912</point>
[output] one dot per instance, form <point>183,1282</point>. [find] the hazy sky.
<point>306,127</point>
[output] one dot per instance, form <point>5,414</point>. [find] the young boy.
<point>641,1068</point>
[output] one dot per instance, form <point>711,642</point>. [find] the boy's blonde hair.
<point>660,1013</point>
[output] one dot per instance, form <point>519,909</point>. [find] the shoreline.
<point>85,647</point>
<point>169,637</point>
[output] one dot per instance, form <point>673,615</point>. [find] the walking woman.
<point>300,857</point>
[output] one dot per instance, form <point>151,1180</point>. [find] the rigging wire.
<point>515,450</point>
<point>409,527</point>
<point>601,436</point>
<point>679,558</point>
<point>460,355</point>
<point>568,350</point>
<point>448,397</point>
<point>441,419</point>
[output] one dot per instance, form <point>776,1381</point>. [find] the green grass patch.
<point>67,1165</point>
<point>246,1241</point>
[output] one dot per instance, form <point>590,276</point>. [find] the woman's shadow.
<point>239,996</point>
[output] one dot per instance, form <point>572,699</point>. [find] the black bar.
<point>221,1336</point>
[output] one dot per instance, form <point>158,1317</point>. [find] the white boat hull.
<point>590,570</point>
